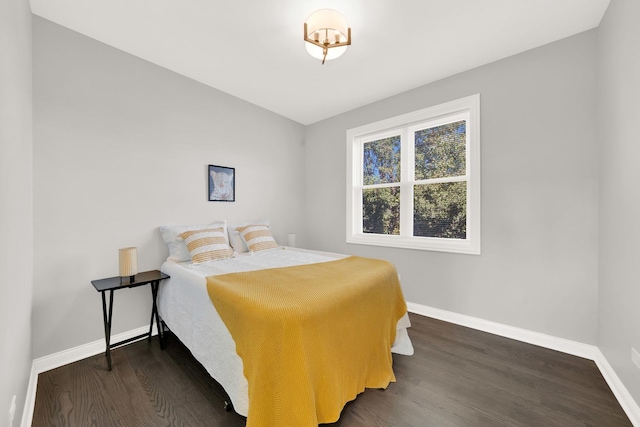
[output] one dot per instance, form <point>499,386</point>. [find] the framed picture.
<point>222,184</point>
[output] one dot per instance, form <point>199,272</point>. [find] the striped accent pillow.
<point>207,245</point>
<point>257,237</point>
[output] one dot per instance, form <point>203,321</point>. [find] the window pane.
<point>382,161</point>
<point>381,210</point>
<point>440,151</point>
<point>440,210</point>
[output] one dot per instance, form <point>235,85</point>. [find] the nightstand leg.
<point>154,313</point>
<point>107,325</point>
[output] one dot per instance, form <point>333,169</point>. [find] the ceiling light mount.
<point>327,34</point>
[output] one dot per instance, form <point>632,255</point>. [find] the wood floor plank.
<point>457,377</point>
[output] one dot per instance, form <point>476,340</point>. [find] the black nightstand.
<point>114,283</point>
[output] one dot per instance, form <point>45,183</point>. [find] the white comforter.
<point>186,308</point>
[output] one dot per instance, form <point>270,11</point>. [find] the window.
<point>413,181</point>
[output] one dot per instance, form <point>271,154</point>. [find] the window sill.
<point>419,243</point>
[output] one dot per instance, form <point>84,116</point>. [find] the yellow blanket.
<point>311,337</point>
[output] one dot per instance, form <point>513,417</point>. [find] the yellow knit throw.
<point>311,337</point>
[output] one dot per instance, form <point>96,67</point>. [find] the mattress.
<point>184,305</point>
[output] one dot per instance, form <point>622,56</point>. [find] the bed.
<point>185,306</point>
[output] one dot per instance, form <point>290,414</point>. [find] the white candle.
<point>128,258</point>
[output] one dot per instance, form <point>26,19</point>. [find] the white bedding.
<point>184,305</point>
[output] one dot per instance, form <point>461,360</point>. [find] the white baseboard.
<point>574,348</point>
<point>30,400</point>
<point>52,361</point>
<point>621,393</point>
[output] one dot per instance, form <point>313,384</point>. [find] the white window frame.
<point>467,108</point>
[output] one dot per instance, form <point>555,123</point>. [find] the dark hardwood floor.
<point>457,377</point>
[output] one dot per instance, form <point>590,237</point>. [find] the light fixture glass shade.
<point>327,18</point>
<point>128,258</point>
<point>327,28</point>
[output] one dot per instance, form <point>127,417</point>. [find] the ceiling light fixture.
<point>327,34</point>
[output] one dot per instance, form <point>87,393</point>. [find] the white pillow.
<point>178,251</point>
<point>235,239</point>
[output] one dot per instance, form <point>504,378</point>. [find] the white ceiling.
<point>254,49</point>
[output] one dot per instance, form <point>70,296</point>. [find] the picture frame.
<point>222,183</point>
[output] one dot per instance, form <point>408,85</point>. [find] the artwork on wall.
<point>222,184</point>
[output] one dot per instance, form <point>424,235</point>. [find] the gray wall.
<point>121,147</point>
<point>538,268</point>
<point>16,226</point>
<point>619,113</point>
